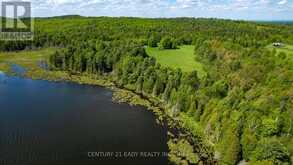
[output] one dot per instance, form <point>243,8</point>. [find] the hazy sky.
<point>232,9</point>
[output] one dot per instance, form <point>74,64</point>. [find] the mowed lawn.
<point>182,58</point>
<point>288,49</point>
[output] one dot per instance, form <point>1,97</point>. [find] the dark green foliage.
<point>282,55</point>
<point>153,42</point>
<point>230,144</point>
<point>220,89</point>
<point>271,149</point>
<point>192,80</point>
<point>249,142</point>
<point>168,43</point>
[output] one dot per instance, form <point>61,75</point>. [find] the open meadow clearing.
<point>182,58</point>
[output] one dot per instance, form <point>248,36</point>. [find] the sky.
<point>228,9</point>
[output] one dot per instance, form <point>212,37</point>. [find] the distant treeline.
<point>277,22</point>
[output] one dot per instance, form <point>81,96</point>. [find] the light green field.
<point>288,49</point>
<point>182,58</point>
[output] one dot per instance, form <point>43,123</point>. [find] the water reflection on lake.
<point>45,123</point>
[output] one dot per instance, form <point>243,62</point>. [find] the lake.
<point>45,123</point>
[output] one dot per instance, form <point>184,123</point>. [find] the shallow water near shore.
<point>44,123</point>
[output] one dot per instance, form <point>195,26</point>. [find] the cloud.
<point>187,3</point>
<point>241,9</point>
<point>283,2</point>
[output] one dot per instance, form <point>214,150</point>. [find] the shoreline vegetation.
<point>187,144</point>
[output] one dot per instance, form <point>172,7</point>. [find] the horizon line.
<point>220,18</point>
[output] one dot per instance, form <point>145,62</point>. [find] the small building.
<point>278,44</point>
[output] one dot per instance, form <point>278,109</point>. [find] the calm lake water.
<point>46,123</point>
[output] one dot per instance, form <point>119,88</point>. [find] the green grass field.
<point>182,58</point>
<point>288,49</point>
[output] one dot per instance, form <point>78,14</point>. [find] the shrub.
<point>271,149</point>
<point>167,43</point>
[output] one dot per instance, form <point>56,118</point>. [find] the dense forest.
<point>244,104</point>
